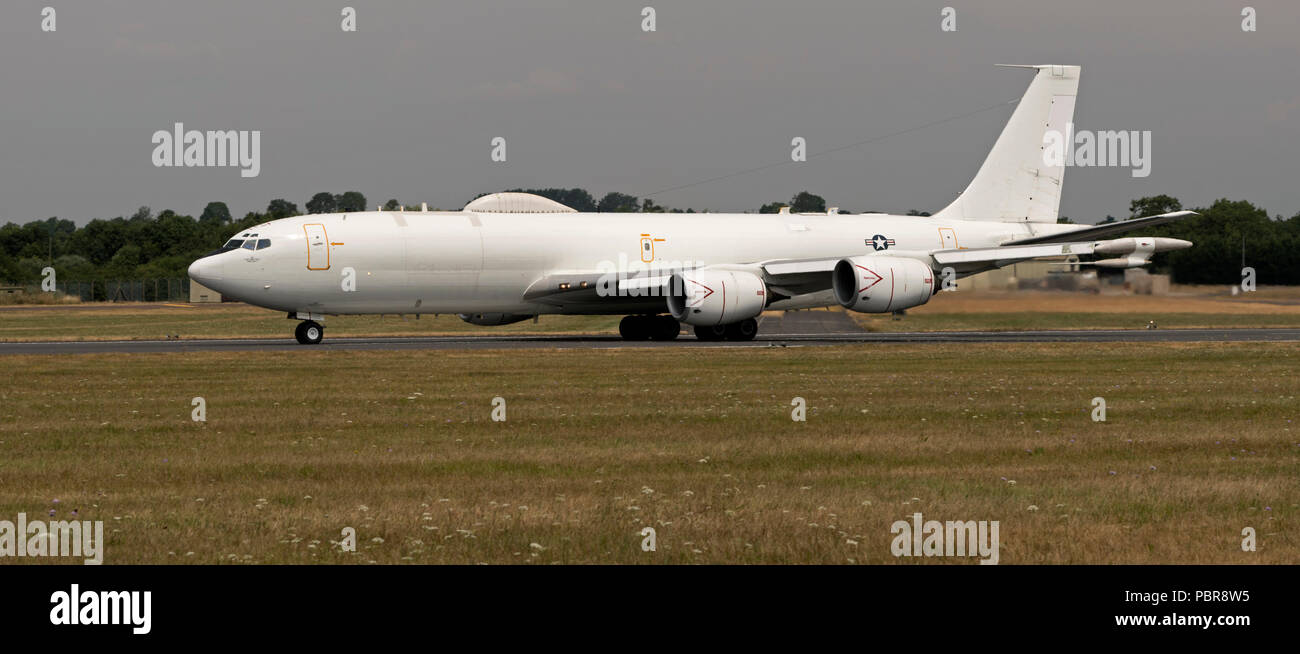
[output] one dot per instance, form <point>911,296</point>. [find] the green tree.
<point>1219,234</point>
<point>216,213</point>
<point>124,261</point>
<point>10,271</point>
<point>1153,206</point>
<point>350,202</point>
<point>806,202</point>
<point>100,239</point>
<point>280,208</point>
<point>617,203</point>
<point>392,205</point>
<point>322,203</point>
<point>70,267</point>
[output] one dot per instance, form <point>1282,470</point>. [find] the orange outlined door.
<point>647,249</point>
<point>318,247</point>
<point>948,236</point>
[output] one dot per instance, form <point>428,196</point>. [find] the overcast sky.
<point>407,106</point>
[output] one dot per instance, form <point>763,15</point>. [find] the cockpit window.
<point>247,241</point>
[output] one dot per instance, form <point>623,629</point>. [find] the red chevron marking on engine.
<point>873,274</point>
<point>697,299</point>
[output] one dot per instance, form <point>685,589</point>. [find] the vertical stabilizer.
<point>1016,182</point>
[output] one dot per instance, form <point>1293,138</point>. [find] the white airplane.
<point>512,256</point>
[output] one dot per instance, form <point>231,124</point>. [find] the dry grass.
<point>33,296</point>
<point>695,443</point>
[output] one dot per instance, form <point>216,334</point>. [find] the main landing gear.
<point>744,330</point>
<point>309,332</point>
<point>643,328</point>
<point>665,328</point>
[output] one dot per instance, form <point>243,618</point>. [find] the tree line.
<point>146,245</point>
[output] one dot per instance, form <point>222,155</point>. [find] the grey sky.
<point>407,106</point>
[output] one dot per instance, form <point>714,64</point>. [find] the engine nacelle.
<point>1143,246</point>
<point>715,297</point>
<point>881,284</point>
<point>1137,249</point>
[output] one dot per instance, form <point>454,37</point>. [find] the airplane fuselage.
<point>471,262</point>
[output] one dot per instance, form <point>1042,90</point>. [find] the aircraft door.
<point>948,236</point>
<point>318,247</point>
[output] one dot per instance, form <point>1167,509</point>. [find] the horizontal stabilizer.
<point>1094,232</point>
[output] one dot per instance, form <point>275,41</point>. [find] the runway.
<point>773,339</point>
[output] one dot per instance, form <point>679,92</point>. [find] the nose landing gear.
<point>309,332</point>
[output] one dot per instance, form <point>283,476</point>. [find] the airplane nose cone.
<point>207,271</point>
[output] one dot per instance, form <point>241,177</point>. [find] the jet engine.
<point>1138,250</point>
<point>715,297</point>
<point>881,284</point>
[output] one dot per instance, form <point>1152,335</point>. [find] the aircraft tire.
<point>635,328</point>
<point>309,332</point>
<point>710,332</point>
<point>666,328</point>
<point>744,330</point>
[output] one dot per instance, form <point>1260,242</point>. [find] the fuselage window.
<point>263,243</point>
<point>232,244</point>
<point>250,244</point>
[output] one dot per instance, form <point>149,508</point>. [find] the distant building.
<point>1031,274</point>
<point>201,293</point>
<point>1060,275</point>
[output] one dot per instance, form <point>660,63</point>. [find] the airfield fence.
<point>118,290</point>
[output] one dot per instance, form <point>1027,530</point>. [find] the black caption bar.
<point>210,604</point>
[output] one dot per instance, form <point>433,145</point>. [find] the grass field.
<point>948,311</point>
<point>699,444</point>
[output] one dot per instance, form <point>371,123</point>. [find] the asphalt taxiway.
<point>770,339</point>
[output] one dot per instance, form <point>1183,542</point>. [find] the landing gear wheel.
<point>710,332</point>
<point>309,332</point>
<point>634,328</point>
<point>666,328</point>
<point>744,330</point>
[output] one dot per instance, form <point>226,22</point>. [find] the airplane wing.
<point>1009,254</point>
<point>790,277</point>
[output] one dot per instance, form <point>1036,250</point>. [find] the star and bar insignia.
<point>879,242</point>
